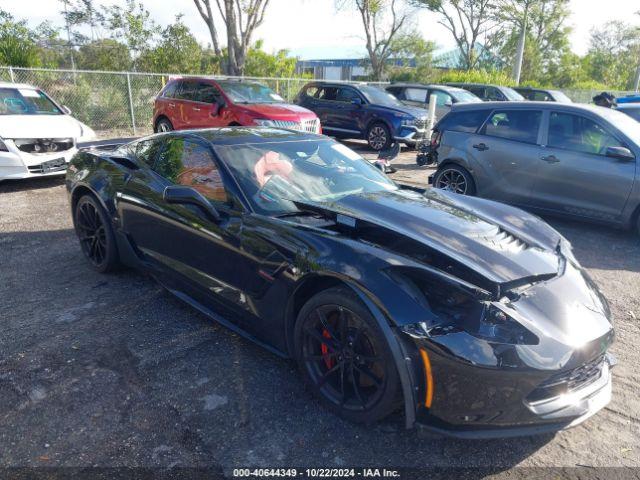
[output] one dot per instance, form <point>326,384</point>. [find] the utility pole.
<point>517,67</point>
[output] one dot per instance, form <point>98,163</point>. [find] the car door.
<point>191,253</point>
<point>349,110</point>
<point>187,107</point>
<point>206,111</point>
<point>505,154</point>
<point>575,174</point>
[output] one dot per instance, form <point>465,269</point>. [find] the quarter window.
<point>464,121</point>
<point>189,163</point>
<point>416,94</point>
<point>518,125</point>
<point>580,134</point>
<point>170,90</point>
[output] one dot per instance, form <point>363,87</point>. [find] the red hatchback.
<point>203,103</point>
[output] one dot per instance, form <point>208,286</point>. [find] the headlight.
<point>497,326</point>
<point>264,122</point>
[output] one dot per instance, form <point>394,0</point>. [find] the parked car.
<point>419,95</point>
<point>542,95</point>
<point>631,109</point>
<point>473,316</point>
<point>633,98</point>
<point>186,103</point>
<point>490,93</point>
<point>38,137</point>
<point>363,111</point>
<point>570,159</point>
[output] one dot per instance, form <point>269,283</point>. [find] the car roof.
<point>17,85</point>
<point>423,85</point>
<point>245,135</point>
<point>338,84</point>
<point>471,84</point>
<point>573,107</point>
<point>212,79</point>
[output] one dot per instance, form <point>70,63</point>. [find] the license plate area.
<point>55,165</point>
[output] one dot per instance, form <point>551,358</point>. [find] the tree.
<point>262,64</point>
<point>613,54</point>
<point>79,13</point>
<point>177,51</point>
<point>375,14</point>
<point>241,18</point>
<point>17,45</point>
<point>547,35</point>
<point>413,57</point>
<point>106,54</point>
<point>133,24</point>
<point>469,21</point>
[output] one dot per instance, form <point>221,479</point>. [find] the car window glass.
<point>478,91</point>
<point>147,150</point>
<point>189,91</point>
<point>416,94</point>
<point>328,93</point>
<point>170,90</point>
<point>347,95</point>
<point>518,125</point>
<point>540,97</point>
<point>580,134</point>
<point>189,163</point>
<point>311,91</point>
<point>397,92</point>
<point>632,112</point>
<point>494,94</point>
<point>207,93</point>
<point>442,98</point>
<point>464,121</point>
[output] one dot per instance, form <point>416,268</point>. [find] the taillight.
<point>436,136</point>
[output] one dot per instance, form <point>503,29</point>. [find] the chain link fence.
<point>119,104</point>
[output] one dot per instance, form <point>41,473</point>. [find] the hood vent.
<point>501,240</point>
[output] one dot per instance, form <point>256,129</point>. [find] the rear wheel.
<point>164,125</point>
<point>345,358</point>
<point>378,136</point>
<point>96,235</point>
<point>454,178</point>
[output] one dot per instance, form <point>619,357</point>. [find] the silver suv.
<point>569,159</point>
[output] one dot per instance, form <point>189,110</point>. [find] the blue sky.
<point>314,29</point>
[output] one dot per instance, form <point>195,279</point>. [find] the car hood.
<point>406,109</point>
<point>495,243</point>
<point>39,126</point>
<point>279,111</point>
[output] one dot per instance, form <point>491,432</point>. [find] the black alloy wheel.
<point>345,358</point>
<point>454,179</point>
<point>95,234</point>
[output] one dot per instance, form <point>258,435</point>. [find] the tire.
<point>454,178</point>
<point>95,234</point>
<point>378,136</point>
<point>163,125</point>
<point>350,369</point>
<point>638,225</point>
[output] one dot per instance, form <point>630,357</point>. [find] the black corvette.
<point>471,316</point>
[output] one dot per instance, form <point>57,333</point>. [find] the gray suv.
<point>570,159</point>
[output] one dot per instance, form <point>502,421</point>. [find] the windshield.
<point>624,123</point>
<point>378,96</point>
<point>250,93</point>
<point>511,94</point>
<point>463,96</point>
<point>26,101</point>
<point>274,174</point>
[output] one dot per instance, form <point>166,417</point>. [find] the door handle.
<point>481,146</point>
<point>196,109</point>
<point>550,159</point>
<point>172,104</point>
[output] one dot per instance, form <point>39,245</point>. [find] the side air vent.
<point>502,240</point>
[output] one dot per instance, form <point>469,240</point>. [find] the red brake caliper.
<point>328,361</point>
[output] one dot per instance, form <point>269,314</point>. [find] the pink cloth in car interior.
<point>270,164</point>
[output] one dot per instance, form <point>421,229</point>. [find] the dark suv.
<point>564,158</point>
<point>363,111</point>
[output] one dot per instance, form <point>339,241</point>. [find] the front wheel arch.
<point>314,284</point>
<point>450,163</point>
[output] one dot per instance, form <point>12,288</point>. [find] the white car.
<point>38,137</point>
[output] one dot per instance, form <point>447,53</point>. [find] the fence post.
<point>133,116</point>
<point>11,75</point>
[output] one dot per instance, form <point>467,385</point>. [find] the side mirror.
<point>448,103</point>
<point>179,194</point>
<point>621,153</point>
<point>66,109</point>
<point>357,102</point>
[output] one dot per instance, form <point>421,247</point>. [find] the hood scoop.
<point>501,240</point>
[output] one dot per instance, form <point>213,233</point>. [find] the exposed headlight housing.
<point>263,122</point>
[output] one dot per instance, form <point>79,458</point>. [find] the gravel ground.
<point>110,370</point>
